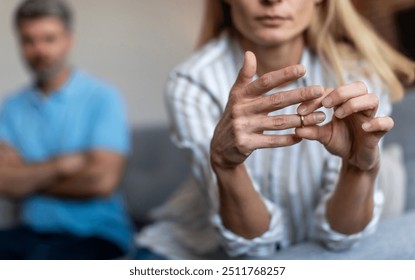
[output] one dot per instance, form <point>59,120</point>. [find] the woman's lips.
<point>272,20</point>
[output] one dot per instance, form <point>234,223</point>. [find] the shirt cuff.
<point>263,245</point>
<point>339,241</point>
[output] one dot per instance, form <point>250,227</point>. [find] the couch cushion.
<point>8,213</point>
<point>393,240</point>
<point>155,169</point>
<point>392,180</point>
<point>404,134</point>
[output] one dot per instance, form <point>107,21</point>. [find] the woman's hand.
<point>354,132</point>
<point>241,128</point>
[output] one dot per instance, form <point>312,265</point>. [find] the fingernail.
<point>301,70</point>
<point>302,109</point>
<point>366,126</point>
<point>320,117</point>
<point>339,112</point>
<point>317,92</point>
<point>327,102</point>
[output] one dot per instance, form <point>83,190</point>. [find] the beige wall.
<point>131,43</point>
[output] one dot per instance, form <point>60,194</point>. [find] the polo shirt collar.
<point>59,95</point>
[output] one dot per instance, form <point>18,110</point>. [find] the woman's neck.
<point>276,57</point>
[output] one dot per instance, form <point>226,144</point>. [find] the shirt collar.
<point>63,93</point>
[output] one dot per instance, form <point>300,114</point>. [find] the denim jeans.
<point>23,243</point>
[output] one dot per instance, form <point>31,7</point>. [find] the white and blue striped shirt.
<point>294,182</point>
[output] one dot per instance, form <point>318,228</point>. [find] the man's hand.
<point>90,175</point>
<point>9,156</point>
<point>19,179</point>
<point>70,164</point>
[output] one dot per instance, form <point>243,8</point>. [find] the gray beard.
<point>43,76</point>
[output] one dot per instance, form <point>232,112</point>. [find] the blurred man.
<point>63,142</point>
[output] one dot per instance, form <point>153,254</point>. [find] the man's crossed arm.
<point>81,175</point>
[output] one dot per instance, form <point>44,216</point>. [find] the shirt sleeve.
<point>194,113</point>
<point>329,237</point>
<point>332,239</point>
<point>109,125</point>
<point>6,133</point>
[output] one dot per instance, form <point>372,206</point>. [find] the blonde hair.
<point>337,33</point>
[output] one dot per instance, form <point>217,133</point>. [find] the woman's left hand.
<point>354,132</point>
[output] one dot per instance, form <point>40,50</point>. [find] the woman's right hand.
<point>240,131</point>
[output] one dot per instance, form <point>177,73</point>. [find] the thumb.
<point>321,134</point>
<point>247,71</point>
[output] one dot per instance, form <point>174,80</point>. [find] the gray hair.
<point>35,9</point>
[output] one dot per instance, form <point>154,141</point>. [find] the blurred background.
<point>394,20</point>
<point>130,43</point>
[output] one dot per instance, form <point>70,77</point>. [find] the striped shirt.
<point>294,182</point>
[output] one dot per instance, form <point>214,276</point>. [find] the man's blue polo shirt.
<point>85,114</point>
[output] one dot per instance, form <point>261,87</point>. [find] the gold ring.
<point>301,120</point>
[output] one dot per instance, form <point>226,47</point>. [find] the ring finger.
<point>282,122</point>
